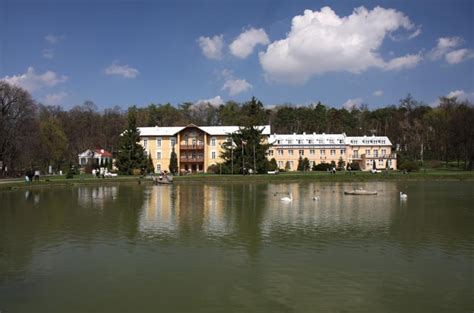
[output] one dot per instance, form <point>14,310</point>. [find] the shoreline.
<point>439,175</point>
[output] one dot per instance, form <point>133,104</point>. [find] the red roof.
<point>103,152</point>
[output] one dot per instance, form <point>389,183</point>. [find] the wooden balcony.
<point>191,147</point>
<point>191,160</point>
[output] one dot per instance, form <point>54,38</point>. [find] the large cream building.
<point>199,147</point>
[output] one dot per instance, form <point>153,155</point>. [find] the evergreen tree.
<point>306,164</point>
<point>300,164</point>
<point>240,148</point>
<point>149,165</point>
<point>131,154</point>
<point>287,166</point>
<point>173,162</point>
<point>272,165</point>
<point>340,164</point>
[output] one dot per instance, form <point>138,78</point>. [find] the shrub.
<point>322,166</point>
<point>409,166</point>
<point>213,169</point>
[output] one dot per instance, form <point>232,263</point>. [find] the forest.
<point>34,136</point>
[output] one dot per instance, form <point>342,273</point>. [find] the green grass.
<point>424,174</point>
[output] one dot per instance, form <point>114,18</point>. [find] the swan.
<point>287,199</point>
<point>315,198</point>
<point>403,196</point>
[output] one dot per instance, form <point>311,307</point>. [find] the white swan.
<point>287,199</point>
<point>403,196</point>
<point>315,198</point>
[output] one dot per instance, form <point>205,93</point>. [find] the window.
<point>213,142</point>
<point>311,152</point>
<point>389,162</point>
<point>213,154</point>
<point>270,152</point>
<point>158,142</point>
<point>290,152</point>
<point>384,152</point>
<point>376,153</point>
<point>356,153</point>
<point>380,163</point>
<point>310,141</point>
<point>298,141</point>
<point>145,143</point>
<point>172,141</point>
<point>194,142</point>
<point>158,168</point>
<point>343,151</point>
<point>301,152</point>
<point>331,140</point>
<point>291,164</point>
<point>278,141</point>
<point>333,152</point>
<point>290,141</point>
<point>158,155</point>
<point>367,152</point>
<point>280,152</point>
<point>322,152</point>
<point>280,164</point>
<point>146,153</point>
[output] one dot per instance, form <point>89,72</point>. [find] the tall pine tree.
<point>131,154</point>
<point>173,162</point>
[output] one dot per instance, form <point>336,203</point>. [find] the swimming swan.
<point>403,196</point>
<point>287,199</point>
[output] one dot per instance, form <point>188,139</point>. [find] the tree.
<point>341,163</point>
<point>287,166</point>
<point>300,166</point>
<point>306,164</point>
<point>240,147</point>
<point>149,165</point>
<point>131,154</point>
<point>53,141</point>
<point>272,165</point>
<point>173,162</point>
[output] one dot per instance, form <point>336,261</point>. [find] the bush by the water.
<point>322,166</point>
<point>409,166</point>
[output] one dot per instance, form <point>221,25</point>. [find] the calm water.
<point>238,248</point>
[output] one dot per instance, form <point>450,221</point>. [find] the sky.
<point>342,53</point>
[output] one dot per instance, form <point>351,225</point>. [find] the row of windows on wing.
<point>172,140</point>
<point>281,164</point>
<point>332,152</point>
<point>186,156</point>
<point>309,141</point>
<point>368,141</point>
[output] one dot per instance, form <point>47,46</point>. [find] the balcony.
<point>191,147</point>
<point>191,160</point>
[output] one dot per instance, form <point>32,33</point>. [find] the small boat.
<point>162,180</point>
<point>360,192</point>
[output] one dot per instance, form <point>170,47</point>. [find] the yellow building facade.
<point>199,147</point>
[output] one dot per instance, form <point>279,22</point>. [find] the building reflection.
<point>96,196</point>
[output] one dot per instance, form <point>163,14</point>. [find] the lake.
<point>237,248</point>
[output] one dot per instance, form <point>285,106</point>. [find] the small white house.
<point>96,156</point>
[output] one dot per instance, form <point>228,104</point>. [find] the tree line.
<point>34,135</point>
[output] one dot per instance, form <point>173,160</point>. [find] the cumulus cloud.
<point>461,95</point>
<point>236,86</point>
<point>378,93</point>
<point>352,103</point>
<point>457,56</point>
<point>405,62</point>
<point>444,45</point>
<point>321,41</point>
<point>244,44</point>
<point>55,98</point>
<point>212,46</point>
<point>122,70</point>
<point>32,81</point>
<point>216,101</point>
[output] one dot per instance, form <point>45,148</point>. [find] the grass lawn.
<point>423,174</point>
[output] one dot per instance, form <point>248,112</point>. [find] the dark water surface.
<point>238,248</point>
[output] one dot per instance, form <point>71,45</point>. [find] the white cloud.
<point>457,56</point>
<point>378,93</point>
<point>32,81</point>
<point>405,62</point>
<point>236,86</point>
<point>48,53</point>
<point>444,45</point>
<point>461,95</point>
<point>55,98</point>
<point>122,70</point>
<point>53,39</point>
<point>212,47</point>
<point>244,44</point>
<point>216,101</point>
<point>352,103</point>
<point>321,41</point>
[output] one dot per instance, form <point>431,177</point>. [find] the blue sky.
<point>138,52</point>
